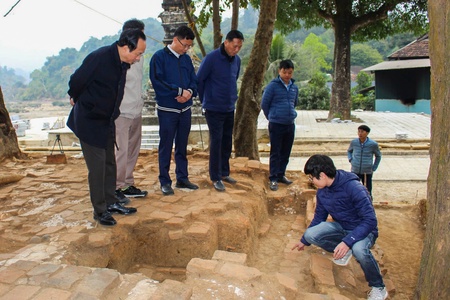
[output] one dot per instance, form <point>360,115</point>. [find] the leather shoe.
<point>218,185</point>
<point>105,219</point>
<point>167,189</point>
<point>186,185</point>
<point>273,185</point>
<point>120,209</point>
<point>284,180</point>
<point>229,179</point>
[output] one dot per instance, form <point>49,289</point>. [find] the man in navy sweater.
<point>278,104</point>
<point>217,88</point>
<point>354,228</point>
<point>173,78</point>
<point>96,90</point>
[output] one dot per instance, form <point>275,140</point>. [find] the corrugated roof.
<point>399,64</point>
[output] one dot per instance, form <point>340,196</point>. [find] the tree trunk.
<point>341,103</point>
<point>434,275</point>
<point>193,27</point>
<point>9,147</point>
<point>216,24</point>
<point>235,15</point>
<point>249,102</point>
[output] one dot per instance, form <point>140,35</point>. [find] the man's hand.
<point>299,246</point>
<point>72,102</point>
<point>340,250</point>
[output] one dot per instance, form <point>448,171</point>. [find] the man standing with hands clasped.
<point>173,78</point>
<point>96,90</point>
<point>354,228</point>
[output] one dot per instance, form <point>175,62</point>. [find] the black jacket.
<point>97,88</point>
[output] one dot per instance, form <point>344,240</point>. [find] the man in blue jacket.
<point>173,78</point>
<point>360,154</point>
<point>217,88</point>
<point>354,228</point>
<point>278,104</point>
<point>96,90</point>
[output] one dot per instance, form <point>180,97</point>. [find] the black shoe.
<point>218,185</point>
<point>120,209</point>
<point>229,179</point>
<point>105,219</point>
<point>121,197</point>
<point>273,185</point>
<point>167,189</point>
<point>284,180</point>
<point>186,185</point>
<point>134,192</point>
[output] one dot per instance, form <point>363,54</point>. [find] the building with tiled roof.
<point>402,84</point>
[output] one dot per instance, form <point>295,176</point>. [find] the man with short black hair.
<point>96,90</point>
<point>217,88</point>
<point>173,78</point>
<point>353,230</point>
<point>361,153</point>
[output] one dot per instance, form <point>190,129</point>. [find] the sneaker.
<point>377,293</point>
<point>344,260</point>
<point>134,192</point>
<point>121,197</point>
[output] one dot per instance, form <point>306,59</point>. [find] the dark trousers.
<point>220,127</point>
<point>281,140</point>
<point>366,180</point>
<point>101,165</point>
<point>173,127</point>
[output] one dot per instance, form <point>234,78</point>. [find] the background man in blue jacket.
<point>217,88</point>
<point>96,90</point>
<point>173,78</point>
<point>360,154</point>
<point>278,104</point>
<point>354,228</point>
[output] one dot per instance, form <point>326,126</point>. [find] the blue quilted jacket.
<point>361,156</point>
<point>348,203</point>
<point>278,103</point>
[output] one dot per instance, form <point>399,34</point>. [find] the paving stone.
<point>98,282</point>
<point>143,290</point>
<point>198,267</point>
<point>67,277</point>
<point>199,229</point>
<point>239,272</point>
<point>322,269</point>
<point>287,282</point>
<point>21,292</point>
<point>175,234</point>
<point>52,294</point>
<point>172,290</point>
<point>225,256</point>
<point>99,239</point>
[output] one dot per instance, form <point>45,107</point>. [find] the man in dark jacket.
<point>360,154</point>
<point>278,104</point>
<point>173,78</point>
<point>354,228</point>
<point>217,88</point>
<point>96,90</point>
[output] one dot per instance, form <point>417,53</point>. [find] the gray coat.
<point>361,156</point>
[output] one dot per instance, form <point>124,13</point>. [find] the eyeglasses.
<point>185,46</point>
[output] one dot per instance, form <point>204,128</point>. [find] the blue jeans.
<point>327,235</point>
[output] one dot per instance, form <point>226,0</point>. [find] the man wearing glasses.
<point>354,228</point>
<point>173,78</point>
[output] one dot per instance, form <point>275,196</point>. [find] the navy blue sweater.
<point>168,73</point>
<point>348,203</point>
<point>97,88</point>
<point>217,76</point>
<point>278,104</point>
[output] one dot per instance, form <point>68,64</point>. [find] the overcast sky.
<point>36,29</point>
